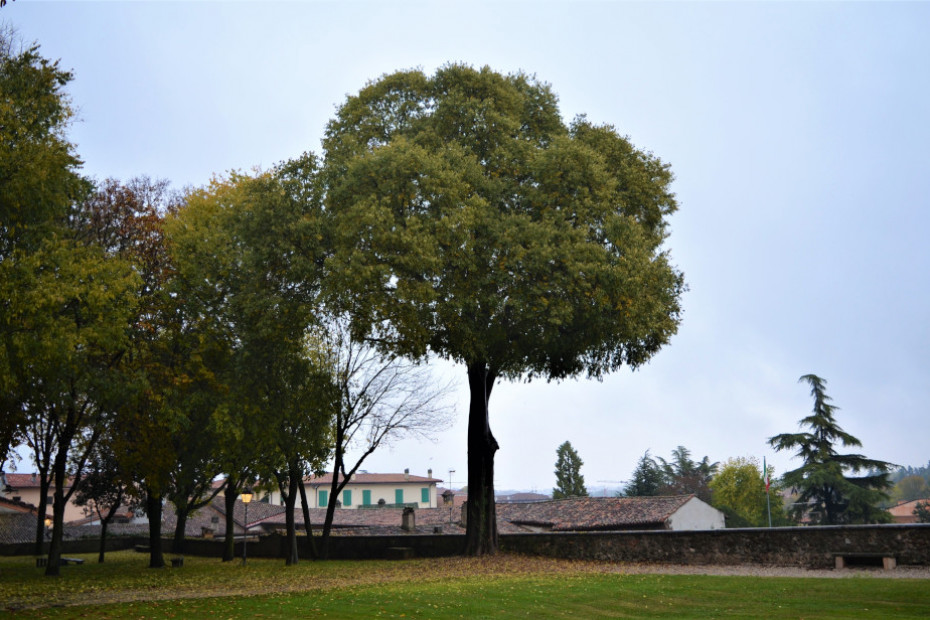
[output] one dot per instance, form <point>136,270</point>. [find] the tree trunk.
<point>181,512</point>
<point>104,522</point>
<point>289,501</point>
<point>308,527</point>
<point>53,566</point>
<point>331,505</point>
<point>42,510</point>
<point>153,509</point>
<point>481,527</point>
<point>229,542</point>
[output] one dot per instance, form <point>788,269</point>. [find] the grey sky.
<point>797,132</point>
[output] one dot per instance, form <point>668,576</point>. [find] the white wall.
<point>696,515</point>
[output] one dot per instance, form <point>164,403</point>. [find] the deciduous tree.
<point>471,223</point>
<point>739,490</point>
<point>381,398</point>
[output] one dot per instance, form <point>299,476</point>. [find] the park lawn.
<point>503,587</point>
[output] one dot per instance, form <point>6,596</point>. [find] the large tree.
<point>471,223</point>
<point>568,479</point>
<point>827,491</point>
<point>39,183</point>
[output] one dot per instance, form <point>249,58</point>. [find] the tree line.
<point>829,488</point>
<point>152,340</point>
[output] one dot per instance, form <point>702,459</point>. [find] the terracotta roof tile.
<point>593,513</point>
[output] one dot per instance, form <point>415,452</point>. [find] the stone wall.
<point>808,547</point>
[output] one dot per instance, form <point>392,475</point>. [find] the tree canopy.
<point>827,493</point>
<point>472,223</point>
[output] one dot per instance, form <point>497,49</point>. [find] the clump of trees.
<point>679,476</point>
<point>182,336</point>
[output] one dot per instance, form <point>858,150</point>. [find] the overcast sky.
<point>797,132</point>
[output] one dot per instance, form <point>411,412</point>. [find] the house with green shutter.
<point>365,490</point>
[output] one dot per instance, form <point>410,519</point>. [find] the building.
<point>366,490</point>
<point>26,488</point>
<point>586,514</point>
<point>904,512</point>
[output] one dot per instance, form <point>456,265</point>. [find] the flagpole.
<point>768,500</point>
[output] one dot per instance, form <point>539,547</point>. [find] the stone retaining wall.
<point>807,547</point>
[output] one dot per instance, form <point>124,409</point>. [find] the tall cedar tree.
<point>647,478</point>
<point>826,492</point>
<point>469,222</point>
<point>568,479</point>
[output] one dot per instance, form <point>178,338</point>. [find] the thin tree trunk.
<point>104,522</point>
<point>177,544</point>
<point>331,505</point>
<point>308,527</point>
<point>229,543</point>
<point>59,472</point>
<point>289,502</point>
<point>153,509</point>
<point>481,527</point>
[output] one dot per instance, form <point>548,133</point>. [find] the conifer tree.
<point>826,491</point>
<point>569,481</point>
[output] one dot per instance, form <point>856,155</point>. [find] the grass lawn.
<point>502,587</point>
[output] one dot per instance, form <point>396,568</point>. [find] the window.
<point>424,496</point>
<point>398,496</point>
<point>324,497</point>
<point>347,497</point>
<point>366,498</point>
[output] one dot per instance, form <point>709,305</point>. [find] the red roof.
<point>25,481</point>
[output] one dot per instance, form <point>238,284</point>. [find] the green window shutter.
<point>424,496</point>
<point>398,496</point>
<point>366,498</point>
<point>347,497</point>
<point>323,499</point>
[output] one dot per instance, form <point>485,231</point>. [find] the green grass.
<point>504,587</point>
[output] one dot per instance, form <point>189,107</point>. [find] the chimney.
<point>408,520</point>
<point>429,473</point>
<point>407,474</point>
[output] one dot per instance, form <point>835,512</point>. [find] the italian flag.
<point>765,474</point>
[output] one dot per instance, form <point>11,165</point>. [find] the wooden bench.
<point>844,558</point>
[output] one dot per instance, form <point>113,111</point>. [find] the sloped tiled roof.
<point>26,481</point>
<point>15,506</point>
<point>361,478</point>
<point>593,513</point>
<point>17,527</point>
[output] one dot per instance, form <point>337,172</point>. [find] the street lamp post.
<point>246,498</point>
<point>452,503</point>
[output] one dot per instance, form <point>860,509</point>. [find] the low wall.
<point>85,545</point>
<point>808,547</point>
